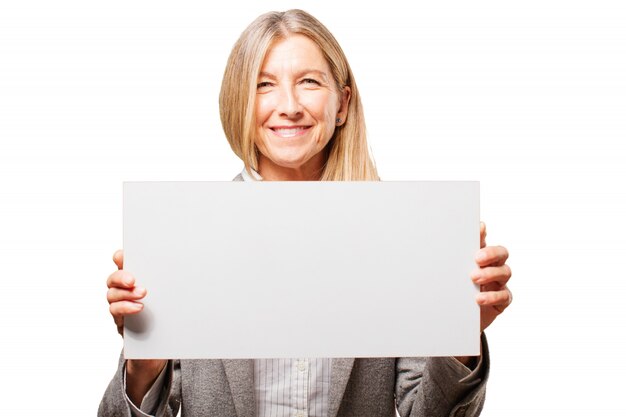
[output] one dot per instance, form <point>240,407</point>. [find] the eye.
<point>311,81</point>
<point>263,84</point>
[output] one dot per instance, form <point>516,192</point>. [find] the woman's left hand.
<point>492,275</point>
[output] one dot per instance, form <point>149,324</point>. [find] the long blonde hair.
<point>349,157</point>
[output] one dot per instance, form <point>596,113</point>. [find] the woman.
<point>291,111</point>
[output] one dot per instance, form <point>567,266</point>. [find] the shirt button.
<point>302,366</point>
<point>300,414</point>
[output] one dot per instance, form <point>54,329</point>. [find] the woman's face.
<point>297,105</point>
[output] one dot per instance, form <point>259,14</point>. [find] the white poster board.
<point>302,269</point>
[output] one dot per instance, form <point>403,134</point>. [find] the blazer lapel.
<point>339,376</point>
<point>240,374</point>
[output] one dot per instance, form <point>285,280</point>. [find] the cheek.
<point>323,108</point>
<point>262,113</point>
<point>330,115</point>
<point>263,108</point>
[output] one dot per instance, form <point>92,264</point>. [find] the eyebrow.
<point>322,74</point>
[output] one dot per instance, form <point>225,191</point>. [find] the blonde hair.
<point>349,157</point>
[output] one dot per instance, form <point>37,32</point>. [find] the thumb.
<point>118,258</point>
<point>483,235</point>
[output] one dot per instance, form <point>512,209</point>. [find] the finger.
<point>491,256</point>
<point>116,294</point>
<point>119,322</point>
<point>483,234</point>
<point>121,279</point>
<point>489,274</point>
<point>118,258</point>
<point>124,308</point>
<point>497,299</point>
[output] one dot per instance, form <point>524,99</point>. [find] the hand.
<point>123,296</point>
<point>492,275</point>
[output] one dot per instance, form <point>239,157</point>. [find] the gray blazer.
<point>364,387</point>
<point>361,387</point>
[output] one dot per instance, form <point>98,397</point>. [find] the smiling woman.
<point>291,110</point>
<point>297,77</point>
<point>297,109</point>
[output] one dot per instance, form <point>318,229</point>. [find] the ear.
<point>344,102</point>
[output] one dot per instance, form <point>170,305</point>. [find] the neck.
<point>310,171</point>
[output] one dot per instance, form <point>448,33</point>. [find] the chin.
<point>288,161</point>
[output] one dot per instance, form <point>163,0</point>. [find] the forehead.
<point>296,52</point>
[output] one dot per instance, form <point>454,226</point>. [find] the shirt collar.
<point>254,177</point>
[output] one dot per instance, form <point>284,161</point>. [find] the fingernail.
<point>476,276</point>
<point>140,291</point>
<point>481,256</point>
<point>481,299</point>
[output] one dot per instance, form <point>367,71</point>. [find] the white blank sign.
<point>302,269</point>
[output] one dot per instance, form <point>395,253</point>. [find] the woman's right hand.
<point>123,297</point>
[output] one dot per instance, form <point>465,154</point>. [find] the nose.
<point>288,103</point>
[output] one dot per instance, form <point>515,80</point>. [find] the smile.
<point>291,131</point>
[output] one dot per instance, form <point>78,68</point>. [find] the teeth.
<point>287,133</point>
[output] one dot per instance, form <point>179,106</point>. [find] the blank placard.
<point>302,269</point>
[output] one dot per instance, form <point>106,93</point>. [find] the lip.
<point>289,131</point>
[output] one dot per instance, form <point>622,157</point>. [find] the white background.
<point>527,97</point>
